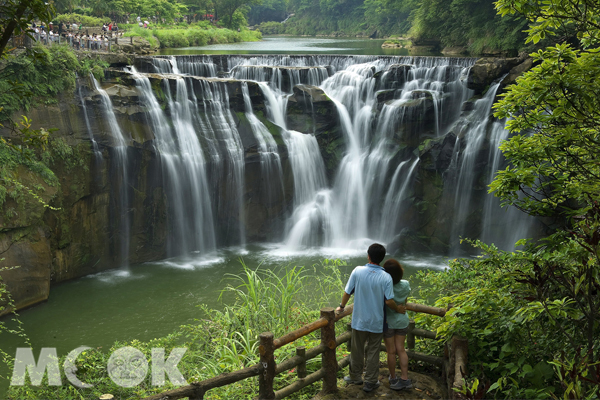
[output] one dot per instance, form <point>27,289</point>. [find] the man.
<point>372,287</point>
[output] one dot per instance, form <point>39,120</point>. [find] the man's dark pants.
<point>359,351</point>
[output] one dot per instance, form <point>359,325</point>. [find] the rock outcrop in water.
<point>251,163</point>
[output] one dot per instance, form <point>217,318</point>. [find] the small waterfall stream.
<point>119,170</point>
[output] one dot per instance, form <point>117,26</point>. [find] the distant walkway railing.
<point>453,363</point>
<point>77,42</point>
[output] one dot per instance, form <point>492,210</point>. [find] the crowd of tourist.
<point>74,35</point>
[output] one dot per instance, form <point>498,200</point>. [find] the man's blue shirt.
<point>371,286</point>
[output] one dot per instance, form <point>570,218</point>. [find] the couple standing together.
<point>379,312</point>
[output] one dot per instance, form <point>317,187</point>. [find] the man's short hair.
<point>376,253</point>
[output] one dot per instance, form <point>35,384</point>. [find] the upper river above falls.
<point>301,45</point>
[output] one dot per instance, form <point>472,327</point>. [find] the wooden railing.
<point>453,364</point>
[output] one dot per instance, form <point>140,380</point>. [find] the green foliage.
<point>60,151</point>
<point>7,306</point>
<point>28,80</point>
<point>223,340</point>
<point>519,312</point>
<point>470,23</point>
<point>226,12</point>
<point>14,162</point>
<point>17,15</point>
<point>194,35</point>
<point>81,19</point>
<point>268,11</point>
<point>147,34</point>
<point>271,28</point>
<point>555,167</point>
<point>167,9</point>
<point>554,172</point>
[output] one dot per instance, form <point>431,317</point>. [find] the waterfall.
<point>226,169</point>
<point>95,148</point>
<point>167,65</point>
<point>474,140</point>
<point>271,171</point>
<point>396,199</point>
<point>501,226</point>
<point>279,78</point>
<point>119,176</point>
<point>191,65</point>
<point>190,213</point>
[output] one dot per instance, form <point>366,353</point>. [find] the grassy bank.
<point>221,340</point>
<point>199,34</point>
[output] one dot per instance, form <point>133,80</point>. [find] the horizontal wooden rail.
<point>429,359</point>
<point>310,354</point>
<point>420,308</point>
<point>309,380</point>
<point>313,326</point>
<point>347,311</point>
<point>298,333</point>
<point>424,333</point>
<point>197,389</point>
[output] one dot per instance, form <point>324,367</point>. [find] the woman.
<point>394,334</point>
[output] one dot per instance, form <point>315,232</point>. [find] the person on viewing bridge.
<point>371,287</point>
<point>396,328</point>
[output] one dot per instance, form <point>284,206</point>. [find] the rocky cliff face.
<point>83,236</point>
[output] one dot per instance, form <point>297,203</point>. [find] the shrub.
<point>81,19</point>
<point>271,28</point>
<point>24,83</point>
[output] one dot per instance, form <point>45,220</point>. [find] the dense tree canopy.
<point>16,15</point>
<point>473,24</point>
<point>554,172</point>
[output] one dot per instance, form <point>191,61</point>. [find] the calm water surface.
<point>299,45</point>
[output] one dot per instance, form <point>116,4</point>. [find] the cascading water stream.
<point>396,199</point>
<point>475,139</point>
<point>119,169</point>
<point>270,161</point>
<point>218,128</point>
<point>95,148</point>
<point>501,226</point>
<point>190,218</point>
<point>308,224</point>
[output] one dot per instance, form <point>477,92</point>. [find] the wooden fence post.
<point>328,358</point>
<point>301,370</point>
<point>410,338</point>
<point>267,361</point>
<point>460,347</point>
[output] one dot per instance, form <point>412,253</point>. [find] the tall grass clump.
<point>200,34</point>
<point>226,340</point>
<point>144,33</point>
